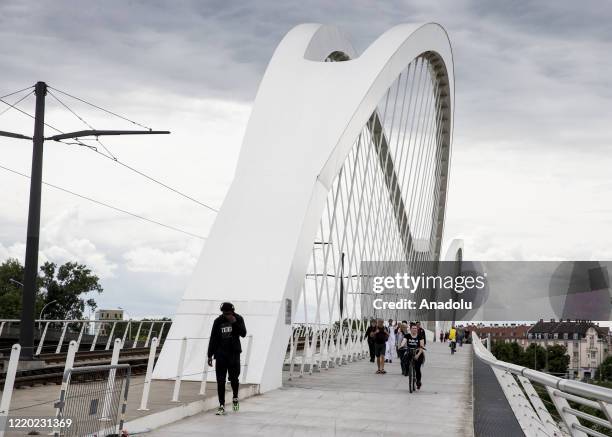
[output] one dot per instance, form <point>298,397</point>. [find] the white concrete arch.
<point>306,117</point>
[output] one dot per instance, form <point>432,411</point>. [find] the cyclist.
<point>452,337</point>
<point>414,351</point>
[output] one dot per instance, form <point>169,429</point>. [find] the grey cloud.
<point>517,63</point>
<point>529,75</point>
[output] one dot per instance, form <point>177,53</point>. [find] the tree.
<point>534,357</point>
<point>64,284</point>
<point>510,352</point>
<point>604,371</point>
<point>558,360</point>
<point>10,292</point>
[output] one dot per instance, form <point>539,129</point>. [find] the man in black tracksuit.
<point>225,347</point>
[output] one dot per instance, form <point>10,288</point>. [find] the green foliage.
<point>558,360</point>
<point>510,352</point>
<point>65,285</point>
<point>604,371</point>
<point>10,292</point>
<point>535,356</point>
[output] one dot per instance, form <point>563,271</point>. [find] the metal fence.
<point>93,400</point>
<point>312,348</point>
<point>98,334</point>
<point>575,408</point>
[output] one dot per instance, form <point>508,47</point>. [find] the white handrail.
<point>85,320</point>
<point>7,392</point>
<point>574,387</point>
<point>560,391</point>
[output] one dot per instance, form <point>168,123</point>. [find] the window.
<point>575,336</point>
<point>565,336</point>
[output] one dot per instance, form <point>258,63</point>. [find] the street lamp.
<point>43,310</point>
<point>129,325</point>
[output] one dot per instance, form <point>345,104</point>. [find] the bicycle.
<point>409,356</point>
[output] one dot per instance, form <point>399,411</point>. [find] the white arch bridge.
<point>345,159</point>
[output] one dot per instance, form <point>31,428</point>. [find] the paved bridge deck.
<point>352,401</point>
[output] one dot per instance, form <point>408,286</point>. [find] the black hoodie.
<point>225,337</point>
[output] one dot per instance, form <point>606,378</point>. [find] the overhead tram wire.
<point>112,157</point>
<point>101,109</point>
<point>108,205</point>
<point>12,106</point>
<point>17,102</point>
<point>16,92</point>
<point>144,175</point>
<point>84,122</point>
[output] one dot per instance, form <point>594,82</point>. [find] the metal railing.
<point>534,417</point>
<point>204,375</point>
<point>100,329</point>
<point>323,348</point>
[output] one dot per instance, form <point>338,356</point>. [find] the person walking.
<point>402,347</point>
<point>370,338</point>
<point>460,335</point>
<point>414,350</point>
<point>390,348</point>
<point>380,335</point>
<point>224,347</point>
<point>399,335</point>
<point>441,337</point>
<point>423,339</point>
<point>421,333</point>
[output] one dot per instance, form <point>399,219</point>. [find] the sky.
<point>532,152</point>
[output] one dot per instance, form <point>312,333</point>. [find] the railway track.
<point>53,372</point>
<point>91,355</point>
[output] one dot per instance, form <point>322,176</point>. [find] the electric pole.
<point>28,298</point>
<point>30,288</point>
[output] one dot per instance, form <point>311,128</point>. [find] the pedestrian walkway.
<point>352,400</point>
<point>39,401</point>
